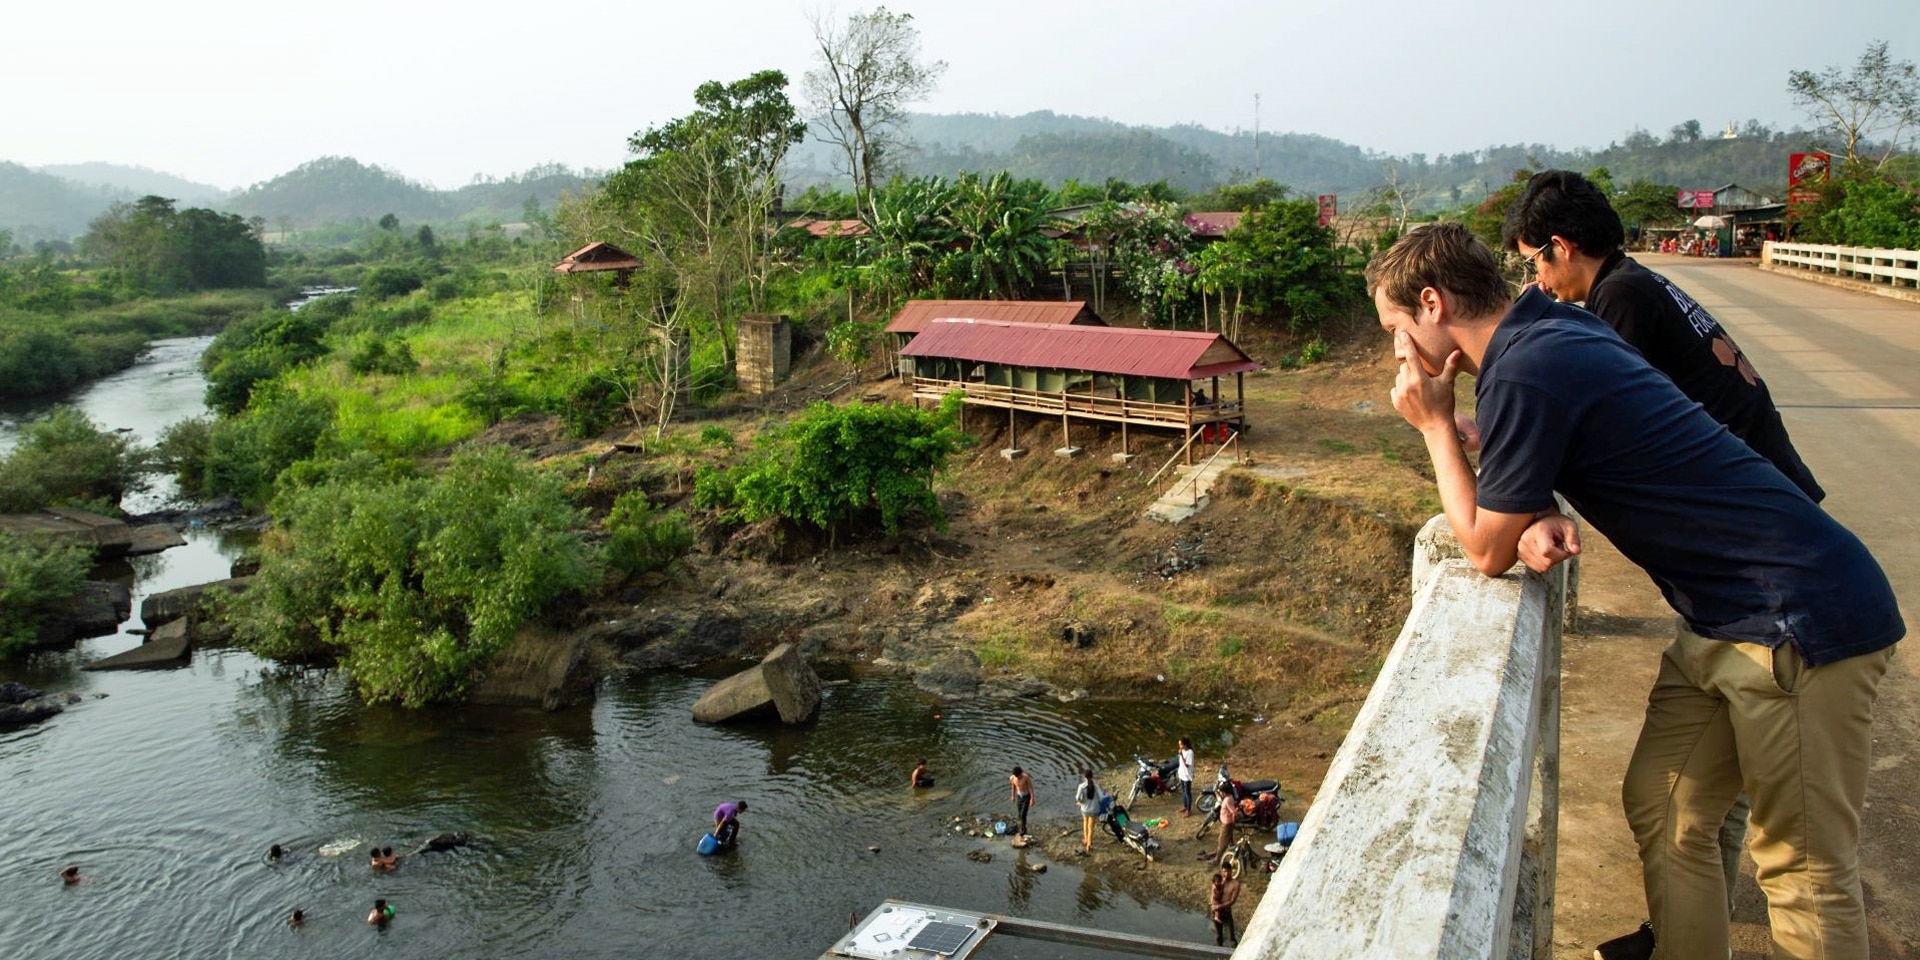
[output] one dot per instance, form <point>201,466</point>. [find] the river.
<point>169,789</point>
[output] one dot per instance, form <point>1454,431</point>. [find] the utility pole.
<point>1256,137</point>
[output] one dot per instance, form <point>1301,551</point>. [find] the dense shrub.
<point>65,458</point>
<point>380,355</point>
<point>392,280</point>
<point>641,539</point>
<point>837,464</point>
<point>262,347</point>
<point>34,580</point>
<point>414,583</point>
<point>243,456</point>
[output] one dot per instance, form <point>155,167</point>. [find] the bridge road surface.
<point>1844,368</point>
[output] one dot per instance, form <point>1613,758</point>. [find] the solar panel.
<point>942,938</point>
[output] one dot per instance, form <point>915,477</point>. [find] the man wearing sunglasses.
<point>1572,242</point>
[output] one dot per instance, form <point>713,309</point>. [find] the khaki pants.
<point>1724,717</point>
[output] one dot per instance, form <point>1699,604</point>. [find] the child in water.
<point>71,875</point>
<point>299,917</point>
<point>921,778</point>
<point>381,915</point>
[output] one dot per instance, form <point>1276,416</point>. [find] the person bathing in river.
<point>389,860</point>
<point>380,915</point>
<point>921,778</point>
<point>71,875</point>
<point>1022,784</point>
<point>726,822</point>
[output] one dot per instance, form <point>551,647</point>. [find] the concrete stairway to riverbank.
<point>1188,493</point>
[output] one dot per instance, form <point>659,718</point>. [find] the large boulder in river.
<point>96,611</point>
<point>781,684</point>
<point>166,647</point>
<point>65,526</point>
<point>172,604</point>
<point>540,668</point>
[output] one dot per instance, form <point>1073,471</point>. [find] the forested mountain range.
<point>1054,148</point>
<point>58,202</point>
<point>137,182</point>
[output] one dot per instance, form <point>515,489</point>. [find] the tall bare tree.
<point>1879,100</point>
<point>870,69</point>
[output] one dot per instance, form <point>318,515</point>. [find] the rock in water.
<point>782,684</point>
<point>445,842</point>
<point>167,646</point>
<point>180,602</point>
<point>21,705</point>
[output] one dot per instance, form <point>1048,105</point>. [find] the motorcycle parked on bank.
<point>1259,801</point>
<point>1153,779</point>
<point>1126,830</point>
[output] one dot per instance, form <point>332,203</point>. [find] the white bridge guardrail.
<point>1434,833</point>
<point>1876,265</point>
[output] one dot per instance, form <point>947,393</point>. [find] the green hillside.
<point>39,206</point>
<point>138,182</point>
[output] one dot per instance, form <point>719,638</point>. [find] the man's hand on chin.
<point>1426,402</point>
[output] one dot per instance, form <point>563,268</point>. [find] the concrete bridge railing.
<point>1896,268</point>
<point>1433,835</point>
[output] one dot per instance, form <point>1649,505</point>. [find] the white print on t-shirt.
<point>1697,316</point>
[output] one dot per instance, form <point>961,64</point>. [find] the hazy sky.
<point>233,93</point>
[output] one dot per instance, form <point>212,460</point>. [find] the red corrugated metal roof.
<point>1172,354</point>
<point>1213,223</point>
<point>915,316</point>
<point>823,229</point>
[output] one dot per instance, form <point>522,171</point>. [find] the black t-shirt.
<point>1682,340</point>
<point>1739,551</point>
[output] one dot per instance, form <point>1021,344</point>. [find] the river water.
<point>168,790</point>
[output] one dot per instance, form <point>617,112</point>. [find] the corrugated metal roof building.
<point>1112,374</point>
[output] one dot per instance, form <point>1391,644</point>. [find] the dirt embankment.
<point>1279,600</point>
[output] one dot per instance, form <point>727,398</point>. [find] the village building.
<point>1160,379</point>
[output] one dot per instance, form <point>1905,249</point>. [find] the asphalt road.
<point>1844,367</point>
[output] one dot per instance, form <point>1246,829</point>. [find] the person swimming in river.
<point>275,853</point>
<point>298,918</point>
<point>71,875</point>
<point>381,914</point>
<point>921,778</point>
<point>388,859</point>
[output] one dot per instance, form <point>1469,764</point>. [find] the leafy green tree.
<point>389,223</point>
<point>1878,101</point>
<point>870,70</point>
<point>837,464</point>
<point>1645,204</point>
<point>35,581</point>
<point>1869,213</point>
<point>1294,266</point>
<point>65,458</point>
<point>155,249</point>
<point>414,583</point>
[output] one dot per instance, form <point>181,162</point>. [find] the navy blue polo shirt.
<point>1739,551</point>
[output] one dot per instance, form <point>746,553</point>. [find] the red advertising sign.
<point>1808,168</point>
<point>1329,208</point>
<point>1694,199</point>
<point>1800,197</point>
